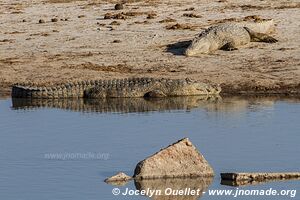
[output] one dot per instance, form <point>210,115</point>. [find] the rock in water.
<point>179,160</point>
<point>118,179</point>
<point>260,177</point>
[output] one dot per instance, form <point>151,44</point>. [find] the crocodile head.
<point>201,88</point>
<point>199,45</point>
<point>196,88</point>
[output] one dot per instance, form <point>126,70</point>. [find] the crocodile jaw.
<point>198,46</point>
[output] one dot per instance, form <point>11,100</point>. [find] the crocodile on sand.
<point>132,87</point>
<point>229,36</point>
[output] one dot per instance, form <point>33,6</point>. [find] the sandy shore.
<point>75,42</point>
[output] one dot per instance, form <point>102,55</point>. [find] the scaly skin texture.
<point>134,87</point>
<point>229,36</point>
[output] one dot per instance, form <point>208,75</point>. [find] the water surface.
<point>96,139</point>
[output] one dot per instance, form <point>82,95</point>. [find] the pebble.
<point>119,6</point>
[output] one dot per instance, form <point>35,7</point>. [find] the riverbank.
<point>48,42</point>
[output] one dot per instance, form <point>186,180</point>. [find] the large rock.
<point>180,159</point>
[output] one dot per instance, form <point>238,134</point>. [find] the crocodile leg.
<point>265,38</point>
<point>155,94</point>
<point>229,47</point>
<point>260,37</point>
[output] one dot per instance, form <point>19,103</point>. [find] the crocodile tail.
<point>20,91</point>
<point>61,91</point>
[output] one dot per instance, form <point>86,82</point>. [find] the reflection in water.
<point>175,185</point>
<point>120,105</point>
<point>244,104</point>
<point>129,105</point>
<point>4,94</point>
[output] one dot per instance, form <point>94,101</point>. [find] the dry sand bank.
<point>147,39</point>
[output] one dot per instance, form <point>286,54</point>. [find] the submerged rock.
<point>249,182</point>
<point>178,160</point>
<point>259,176</point>
<point>118,179</point>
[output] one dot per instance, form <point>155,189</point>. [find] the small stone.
<point>54,20</point>
<point>41,21</point>
<point>24,20</point>
<point>178,160</point>
<point>115,23</point>
<point>119,177</point>
<point>190,9</point>
<point>192,15</point>
<point>167,20</point>
<point>101,24</point>
<point>115,16</point>
<point>151,15</point>
<point>119,6</point>
<point>117,41</point>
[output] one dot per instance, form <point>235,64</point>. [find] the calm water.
<point>93,140</point>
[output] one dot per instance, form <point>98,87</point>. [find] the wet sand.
<point>146,38</point>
